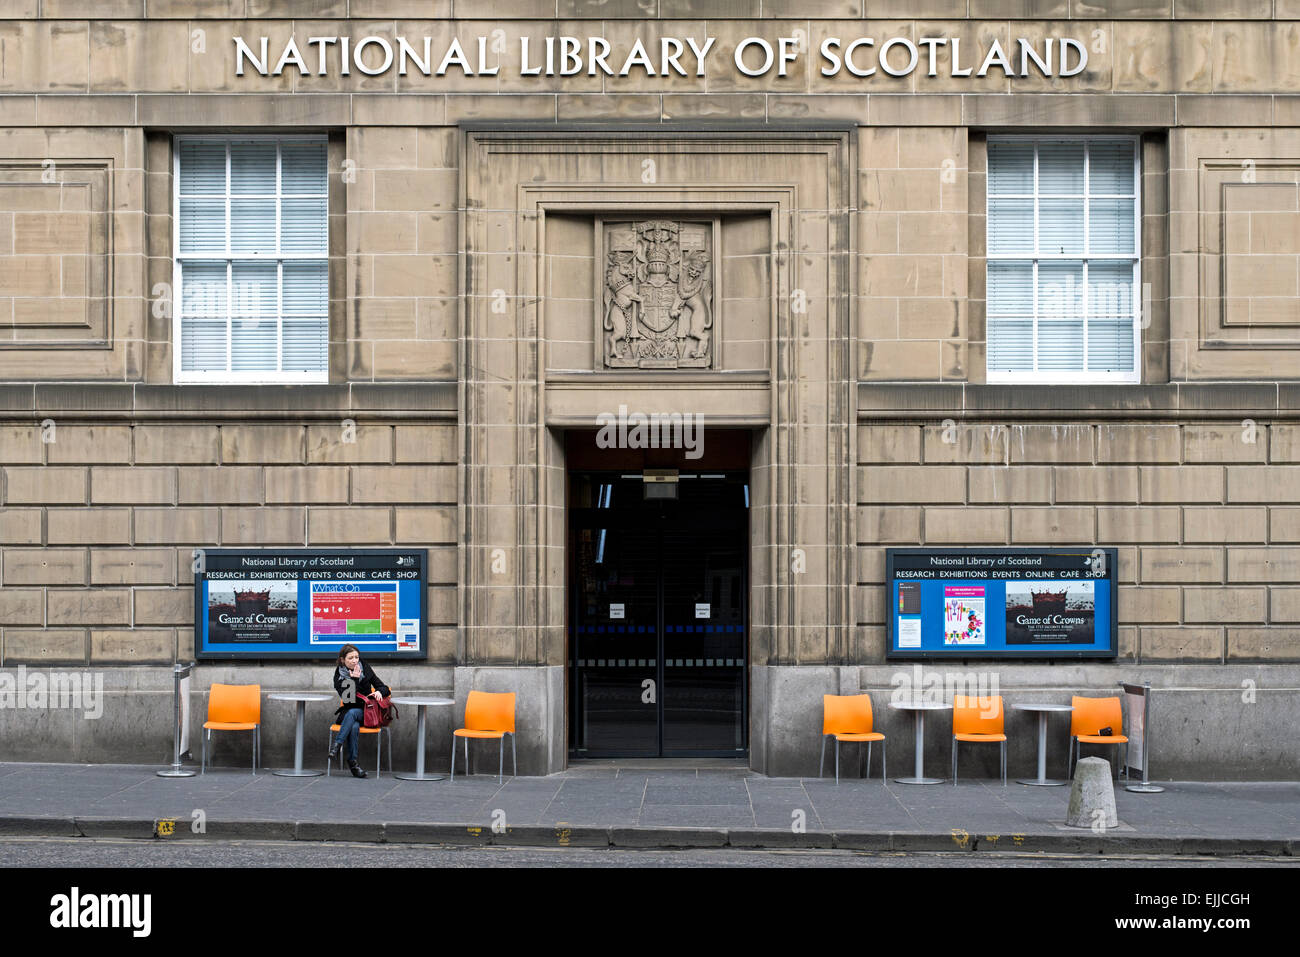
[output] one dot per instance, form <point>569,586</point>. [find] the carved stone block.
<point>54,257</point>
<point>657,304</point>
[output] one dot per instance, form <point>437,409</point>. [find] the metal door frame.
<point>571,667</point>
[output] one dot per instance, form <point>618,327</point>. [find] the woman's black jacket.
<point>367,683</point>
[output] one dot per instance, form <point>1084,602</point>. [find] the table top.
<point>417,699</point>
<point>301,696</point>
<point>920,706</point>
<point>1043,707</point>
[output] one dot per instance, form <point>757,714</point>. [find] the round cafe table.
<point>422,702</point>
<point>301,697</point>
<point>1043,711</point>
<point>919,708</point>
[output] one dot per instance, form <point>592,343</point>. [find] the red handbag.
<point>378,714</point>
<point>371,717</point>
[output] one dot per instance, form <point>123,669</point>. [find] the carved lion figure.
<point>620,294</point>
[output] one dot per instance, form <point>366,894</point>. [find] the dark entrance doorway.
<point>658,615</point>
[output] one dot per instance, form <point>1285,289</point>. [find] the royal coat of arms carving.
<point>658,295</point>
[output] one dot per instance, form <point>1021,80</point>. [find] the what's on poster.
<point>1013,603</point>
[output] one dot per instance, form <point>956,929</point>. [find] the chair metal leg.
<point>884,773</point>
<point>255,752</point>
<point>453,759</point>
<point>954,762</point>
<point>203,761</point>
<point>868,774</point>
<point>379,753</point>
<point>821,768</point>
<point>514,756</point>
<point>1004,764</point>
<point>837,760</point>
<point>501,757</point>
<point>467,771</point>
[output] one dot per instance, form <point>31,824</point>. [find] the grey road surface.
<point>84,852</point>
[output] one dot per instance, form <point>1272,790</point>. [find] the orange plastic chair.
<point>379,744</point>
<point>978,720</point>
<point>233,708</point>
<point>1090,715</point>
<point>848,718</point>
<point>489,716</point>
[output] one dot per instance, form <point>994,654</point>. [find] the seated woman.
<point>353,680</point>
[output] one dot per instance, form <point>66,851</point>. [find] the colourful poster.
<point>259,611</point>
<point>1050,612</point>
<point>963,615</point>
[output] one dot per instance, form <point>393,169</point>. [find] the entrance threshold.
<point>662,764</point>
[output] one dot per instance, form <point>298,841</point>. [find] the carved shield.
<point>656,306</point>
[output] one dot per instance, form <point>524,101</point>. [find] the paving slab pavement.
<point>636,806</point>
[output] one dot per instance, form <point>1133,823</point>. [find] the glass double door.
<point>657,625</point>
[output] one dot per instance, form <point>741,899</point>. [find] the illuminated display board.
<point>307,603</point>
<point>1001,603</point>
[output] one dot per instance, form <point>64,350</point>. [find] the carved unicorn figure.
<point>692,310</point>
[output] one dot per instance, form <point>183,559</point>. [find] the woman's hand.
<point>377,695</point>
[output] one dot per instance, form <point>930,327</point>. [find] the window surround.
<point>1064,377</point>
<point>261,376</point>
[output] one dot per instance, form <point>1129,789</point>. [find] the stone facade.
<point>469,292</point>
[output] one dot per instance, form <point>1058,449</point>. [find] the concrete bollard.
<point>1090,794</point>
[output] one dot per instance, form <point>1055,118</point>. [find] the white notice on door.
<point>616,611</point>
<point>701,610</point>
<point>909,632</point>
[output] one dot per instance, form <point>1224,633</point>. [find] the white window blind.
<point>252,246</point>
<point>1063,260</point>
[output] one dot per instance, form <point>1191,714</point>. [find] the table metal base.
<point>298,773</point>
<point>1042,781</point>
<point>918,774</point>
<point>420,774</point>
<point>176,774</point>
<point>1144,788</point>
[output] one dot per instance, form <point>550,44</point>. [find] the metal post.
<point>179,671</point>
<point>920,745</point>
<point>419,742</point>
<point>301,708</point>
<point>1042,745</point>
